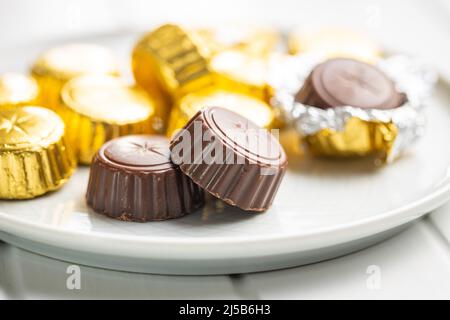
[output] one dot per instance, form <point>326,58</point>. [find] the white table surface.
<point>413,264</point>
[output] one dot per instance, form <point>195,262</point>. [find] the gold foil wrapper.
<point>98,108</point>
<point>17,90</point>
<point>170,62</point>
<point>185,108</point>
<point>333,43</point>
<point>34,155</point>
<point>258,41</point>
<point>358,138</point>
<point>241,72</point>
<point>58,65</point>
<point>169,59</point>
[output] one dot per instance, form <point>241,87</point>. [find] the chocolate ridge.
<point>239,184</point>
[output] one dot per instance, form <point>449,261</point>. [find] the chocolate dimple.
<point>139,151</point>
<point>348,82</point>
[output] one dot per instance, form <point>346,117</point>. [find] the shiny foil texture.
<point>333,43</point>
<point>359,138</point>
<point>185,108</point>
<point>239,71</point>
<point>133,179</point>
<point>54,67</point>
<point>35,157</point>
<point>251,180</point>
<point>258,41</point>
<point>348,131</point>
<point>98,108</point>
<point>169,59</point>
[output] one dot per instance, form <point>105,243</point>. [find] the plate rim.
<point>320,237</point>
<point>207,246</point>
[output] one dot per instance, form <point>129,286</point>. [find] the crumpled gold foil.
<point>56,66</point>
<point>34,155</point>
<point>17,90</point>
<point>358,138</point>
<point>98,108</point>
<point>258,111</point>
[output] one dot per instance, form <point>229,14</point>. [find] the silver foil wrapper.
<point>411,76</point>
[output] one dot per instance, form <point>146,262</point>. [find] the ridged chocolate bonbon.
<point>348,82</point>
<point>230,157</point>
<point>133,179</point>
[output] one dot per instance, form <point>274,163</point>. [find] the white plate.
<point>323,209</point>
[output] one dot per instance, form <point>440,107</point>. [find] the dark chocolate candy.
<point>348,82</point>
<point>233,158</point>
<point>133,179</point>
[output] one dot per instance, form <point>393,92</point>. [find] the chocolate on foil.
<point>56,66</point>
<point>252,39</point>
<point>35,157</point>
<point>98,108</point>
<point>169,59</point>
<point>231,158</point>
<point>18,90</point>
<point>133,179</point>
<point>346,131</point>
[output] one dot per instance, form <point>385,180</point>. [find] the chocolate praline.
<point>234,159</point>
<point>348,82</point>
<point>133,179</point>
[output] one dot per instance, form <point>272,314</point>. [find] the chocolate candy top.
<point>348,82</point>
<point>138,153</point>
<point>244,136</point>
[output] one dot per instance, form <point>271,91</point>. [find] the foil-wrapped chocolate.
<point>35,157</point>
<point>175,61</point>
<point>133,179</point>
<point>255,40</point>
<point>18,90</point>
<point>352,108</point>
<point>336,42</point>
<point>170,62</point>
<point>98,108</point>
<point>169,59</point>
<point>239,71</point>
<point>54,67</point>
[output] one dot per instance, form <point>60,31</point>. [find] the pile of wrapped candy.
<point>334,88</point>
